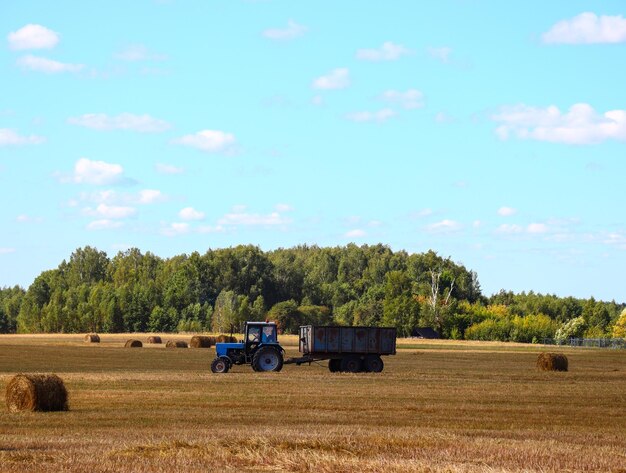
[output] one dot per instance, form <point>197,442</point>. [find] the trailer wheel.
<point>351,364</point>
<point>220,365</point>
<point>267,359</point>
<point>334,365</point>
<point>373,364</point>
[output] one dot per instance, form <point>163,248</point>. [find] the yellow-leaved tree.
<point>619,329</point>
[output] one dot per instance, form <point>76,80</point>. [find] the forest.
<point>349,285</point>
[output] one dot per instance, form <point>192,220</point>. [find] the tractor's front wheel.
<point>267,359</point>
<point>220,365</point>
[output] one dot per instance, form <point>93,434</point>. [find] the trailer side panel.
<point>345,340</point>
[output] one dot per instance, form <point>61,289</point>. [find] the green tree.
<point>400,308</point>
<point>225,312</point>
<point>286,315</point>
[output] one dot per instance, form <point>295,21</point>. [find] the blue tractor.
<point>259,348</point>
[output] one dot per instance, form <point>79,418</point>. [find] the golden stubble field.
<point>437,407</point>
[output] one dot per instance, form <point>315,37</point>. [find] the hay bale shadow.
<point>36,392</point>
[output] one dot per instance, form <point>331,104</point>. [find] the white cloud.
<point>387,52</point>
<point>444,226</point>
<point>104,224</point>
<point>422,213</point>
<point>150,196</point>
<point>112,197</point>
<point>293,30</point>
<point>138,52</point>
<point>11,138</point>
<point>239,216</point>
<point>532,228</point>
<point>318,100</point>
<point>506,211</point>
<point>112,212</point>
<point>96,172</point>
<point>509,229</point>
<point>49,66</point>
<point>168,169</point>
<point>615,239</point>
<point>283,208</point>
<point>33,37</point>
<point>356,233</point>
<point>442,117</point>
<point>211,141</point>
<point>440,53</point>
<point>189,213</point>
<point>587,28</point>
<point>125,121</point>
<point>580,125</point>
<point>6,251</point>
<point>378,116</point>
<point>175,228</point>
<point>210,229</point>
<point>336,79</point>
<point>536,228</point>
<point>410,99</point>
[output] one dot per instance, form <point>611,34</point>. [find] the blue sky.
<point>491,132</point>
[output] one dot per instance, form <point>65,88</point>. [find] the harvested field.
<point>438,407</point>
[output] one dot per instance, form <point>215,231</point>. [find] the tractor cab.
<point>259,348</point>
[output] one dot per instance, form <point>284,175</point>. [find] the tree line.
<point>349,285</point>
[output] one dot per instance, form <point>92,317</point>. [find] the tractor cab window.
<point>254,334</point>
<point>269,334</point>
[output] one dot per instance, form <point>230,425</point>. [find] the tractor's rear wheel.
<point>351,364</point>
<point>267,359</point>
<point>334,365</point>
<point>220,365</point>
<point>373,364</point>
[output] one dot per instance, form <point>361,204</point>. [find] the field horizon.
<point>439,406</point>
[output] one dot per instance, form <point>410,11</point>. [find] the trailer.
<point>348,349</point>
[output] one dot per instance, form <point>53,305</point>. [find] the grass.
<point>437,407</point>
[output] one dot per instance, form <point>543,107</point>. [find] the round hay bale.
<point>36,392</point>
<point>213,340</point>
<point>133,344</point>
<point>92,338</point>
<point>154,339</point>
<point>200,341</point>
<point>552,362</point>
<point>176,344</point>
<point>226,339</point>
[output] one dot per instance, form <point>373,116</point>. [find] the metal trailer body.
<point>350,349</point>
